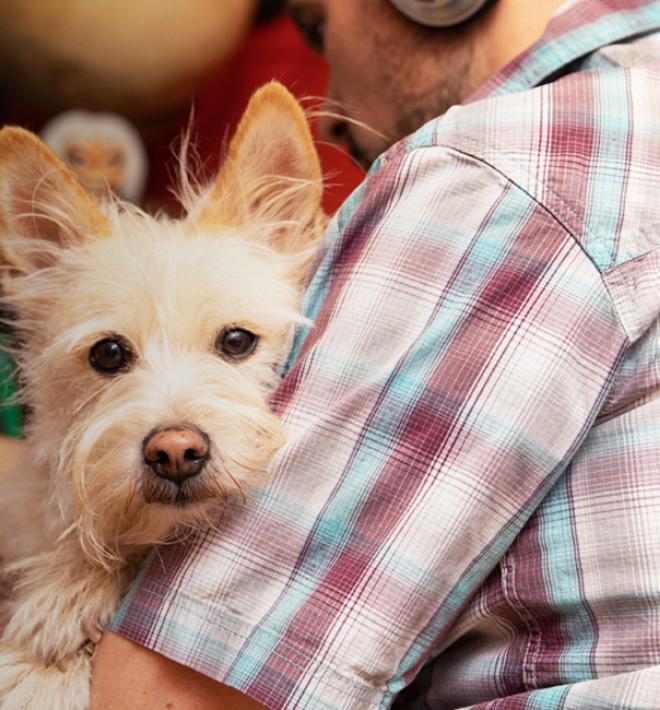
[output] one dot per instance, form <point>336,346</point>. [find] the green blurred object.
<point>11,416</point>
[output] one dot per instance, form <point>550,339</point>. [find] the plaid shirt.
<point>471,484</point>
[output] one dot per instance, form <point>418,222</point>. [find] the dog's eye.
<point>236,343</point>
<point>110,355</point>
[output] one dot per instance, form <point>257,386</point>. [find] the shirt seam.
<point>553,213</point>
<point>182,600</point>
<point>535,634</point>
<point>546,208</point>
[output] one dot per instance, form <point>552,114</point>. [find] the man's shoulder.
<point>586,147</point>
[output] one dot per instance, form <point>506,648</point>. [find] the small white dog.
<point>147,350</point>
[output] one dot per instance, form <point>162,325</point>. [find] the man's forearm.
<point>130,676</point>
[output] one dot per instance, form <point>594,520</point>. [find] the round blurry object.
<point>138,58</point>
<point>102,149</point>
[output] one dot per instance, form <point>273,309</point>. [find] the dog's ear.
<point>272,169</point>
<point>43,207</point>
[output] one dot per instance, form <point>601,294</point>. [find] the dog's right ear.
<point>43,207</point>
<point>271,170</point>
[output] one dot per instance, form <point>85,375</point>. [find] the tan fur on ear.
<point>271,155</point>
<point>40,199</point>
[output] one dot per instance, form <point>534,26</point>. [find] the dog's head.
<point>148,348</point>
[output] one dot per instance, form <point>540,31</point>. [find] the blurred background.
<point>147,62</point>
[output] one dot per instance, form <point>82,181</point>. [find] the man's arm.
<point>127,675</point>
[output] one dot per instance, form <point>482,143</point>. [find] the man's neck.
<point>511,27</point>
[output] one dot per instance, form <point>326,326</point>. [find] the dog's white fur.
<point>79,512</point>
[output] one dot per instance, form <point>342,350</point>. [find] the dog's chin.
<point>188,493</point>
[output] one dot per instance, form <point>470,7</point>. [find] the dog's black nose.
<point>177,453</point>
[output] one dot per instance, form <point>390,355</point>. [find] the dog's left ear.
<point>43,207</point>
<point>271,171</point>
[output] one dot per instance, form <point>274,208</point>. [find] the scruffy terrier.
<point>147,350</point>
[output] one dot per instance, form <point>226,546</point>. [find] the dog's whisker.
<point>219,483</point>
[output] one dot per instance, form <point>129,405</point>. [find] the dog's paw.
<point>30,685</point>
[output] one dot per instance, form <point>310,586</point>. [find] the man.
<point>470,494</point>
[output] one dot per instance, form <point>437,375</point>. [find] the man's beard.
<point>412,112</point>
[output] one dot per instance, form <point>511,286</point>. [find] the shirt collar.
<point>579,28</point>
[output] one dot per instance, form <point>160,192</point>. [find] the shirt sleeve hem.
<point>198,635</point>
